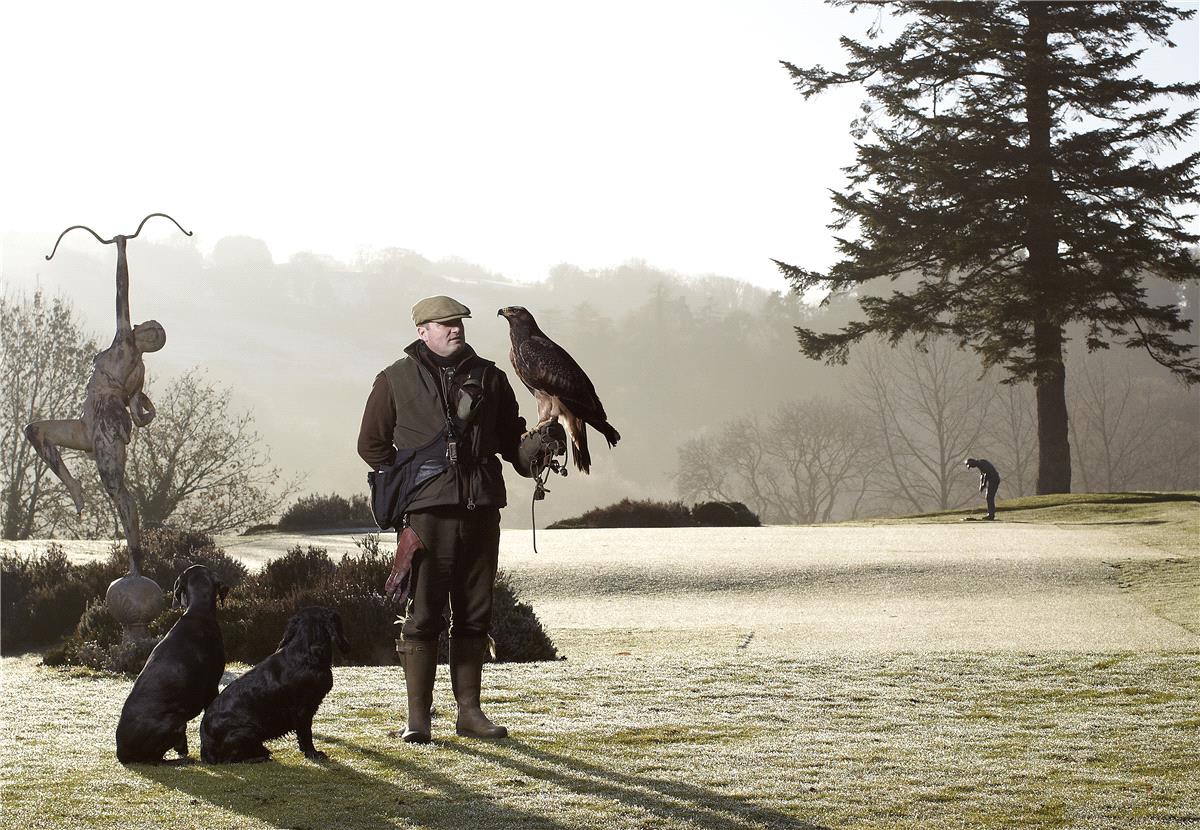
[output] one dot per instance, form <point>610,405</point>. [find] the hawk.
<point>558,385</point>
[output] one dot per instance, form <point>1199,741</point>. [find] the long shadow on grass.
<point>669,799</point>
<point>310,796</point>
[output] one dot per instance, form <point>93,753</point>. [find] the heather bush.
<point>299,569</point>
<point>256,611</point>
<point>516,629</point>
<point>316,512</point>
<point>167,552</point>
<point>44,596</point>
<point>98,626</point>
<point>363,573</point>
<point>630,513</point>
<point>651,513</point>
<point>724,514</point>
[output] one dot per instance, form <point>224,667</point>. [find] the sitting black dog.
<point>279,695</point>
<point>180,677</point>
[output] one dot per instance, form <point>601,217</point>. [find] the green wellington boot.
<point>420,668</point>
<point>466,672</point>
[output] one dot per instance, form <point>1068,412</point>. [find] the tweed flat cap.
<point>438,310</point>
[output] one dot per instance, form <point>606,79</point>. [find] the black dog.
<point>279,695</point>
<point>180,677</point>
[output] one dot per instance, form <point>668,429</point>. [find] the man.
<point>442,390</point>
<point>989,479</point>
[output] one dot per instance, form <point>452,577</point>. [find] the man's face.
<point>443,339</point>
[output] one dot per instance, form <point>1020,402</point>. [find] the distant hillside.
<point>301,341</point>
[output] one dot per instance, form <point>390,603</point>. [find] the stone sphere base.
<point>134,601</point>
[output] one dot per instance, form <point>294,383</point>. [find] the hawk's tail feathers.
<point>609,432</point>
<point>583,459</point>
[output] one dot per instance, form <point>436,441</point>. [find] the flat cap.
<point>438,310</point>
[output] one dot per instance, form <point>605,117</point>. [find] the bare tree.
<point>801,467</point>
<point>44,357</point>
<point>818,448</point>
<point>198,465</point>
<point>1014,434</point>
<point>702,474</point>
<point>201,465</point>
<point>1131,430</point>
<point>728,466</point>
<point>929,410</point>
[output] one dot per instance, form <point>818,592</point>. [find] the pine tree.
<point>1004,170</point>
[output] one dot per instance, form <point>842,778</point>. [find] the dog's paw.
<point>316,755</point>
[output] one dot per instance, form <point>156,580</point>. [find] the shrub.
<point>20,576</point>
<point>97,642</point>
<point>167,552</point>
<point>98,626</point>
<point>724,514</point>
<point>54,610</point>
<point>368,622</point>
<point>123,658</point>
<point>297,570</point>
<point>629,513</point>
<point>129,658</point>
<point>365,572</point>
<point>254,621</point>
<point>516,629</point>
<point>44,596</point>
<point>333,510</point>
<point>256,612</point>
<point>650,513</point>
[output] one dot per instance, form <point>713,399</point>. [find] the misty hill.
<point>673,357</point>
<point>301,342</point>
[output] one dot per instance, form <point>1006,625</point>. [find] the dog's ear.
<point>289,633</point>
<point>333,624</point>
<point>180,590</point>
<point>222,591</point>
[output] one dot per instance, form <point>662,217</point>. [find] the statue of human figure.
<point>114,401</point>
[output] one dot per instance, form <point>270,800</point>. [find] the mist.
<point>300,343</point>
<point>677,360</point>
<point>696,371</point>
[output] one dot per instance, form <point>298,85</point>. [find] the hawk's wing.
<point>545,366</point>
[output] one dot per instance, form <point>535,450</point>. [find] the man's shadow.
<point>318,795</point>
<point>672,800</point>
<point>315,795</point>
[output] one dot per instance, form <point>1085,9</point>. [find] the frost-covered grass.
<point>1083,508</point>
<point>925,673</point>
<point>737,741</point>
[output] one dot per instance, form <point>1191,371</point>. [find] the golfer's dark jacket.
<point>987,472</point>
<point>406,409</point>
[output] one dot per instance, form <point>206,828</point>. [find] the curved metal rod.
<point>151,216</point>
<point>114,239</point>
<point>73,227</point>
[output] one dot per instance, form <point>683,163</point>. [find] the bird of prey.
<point>559,386</point>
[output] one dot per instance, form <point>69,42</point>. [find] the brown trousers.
<point>458,564</point>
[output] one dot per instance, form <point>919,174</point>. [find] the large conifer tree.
<point>1004,168</point>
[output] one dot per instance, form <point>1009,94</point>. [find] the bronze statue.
<point>113,403</point>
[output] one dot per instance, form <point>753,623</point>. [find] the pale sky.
<point>514,135</point>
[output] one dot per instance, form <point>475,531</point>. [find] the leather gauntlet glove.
<point>539,447</point>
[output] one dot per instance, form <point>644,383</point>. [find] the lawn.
<point>922,672</point>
